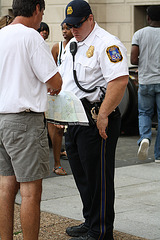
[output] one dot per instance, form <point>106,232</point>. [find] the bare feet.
<point>63,155</point>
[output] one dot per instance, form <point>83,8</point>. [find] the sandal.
<point>63,155</point>
<point>59,171</point>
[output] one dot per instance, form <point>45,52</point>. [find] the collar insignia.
<point>90,51</point>
<point>114,54</point>
<point>69,10</point>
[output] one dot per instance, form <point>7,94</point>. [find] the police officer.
<point>95,64</point>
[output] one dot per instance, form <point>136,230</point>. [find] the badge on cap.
<point>90,51</point>
<point>114,54</point>
<point>69,10</point>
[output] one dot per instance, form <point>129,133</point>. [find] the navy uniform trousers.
<point>92,161</point>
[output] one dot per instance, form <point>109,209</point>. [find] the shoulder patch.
<point>114,54</point>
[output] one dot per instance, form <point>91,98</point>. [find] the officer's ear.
<point>91,17</point>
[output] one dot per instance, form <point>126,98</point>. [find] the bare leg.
<point>8,191</point>
<point>30,209</point>
<point>56,135</point>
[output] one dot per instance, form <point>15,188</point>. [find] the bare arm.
<point>55,51</point>
<point>134,54</point>
<point>114,94</point>
<point>54,84</point>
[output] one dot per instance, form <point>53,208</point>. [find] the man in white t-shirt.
<point>27,72</point>
<point>146,54</point>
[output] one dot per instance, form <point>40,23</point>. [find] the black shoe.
<point>86,237</point>
<point>77,231</point>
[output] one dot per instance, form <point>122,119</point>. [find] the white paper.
<point>66,109</point>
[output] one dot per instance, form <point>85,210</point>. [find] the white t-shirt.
<point>26,63</point>
<point>100,58</point>
<point>148,40</point>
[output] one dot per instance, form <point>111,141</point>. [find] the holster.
<point>96,106</point>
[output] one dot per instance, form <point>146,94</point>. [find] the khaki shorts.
<point>24,150</point>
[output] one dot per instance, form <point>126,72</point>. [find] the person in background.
<point>27,72</point>
<point>56,134</point>
<point>5,20</point>
<point>94,68</point>
<point>145,53</point>
<point>44,30</point>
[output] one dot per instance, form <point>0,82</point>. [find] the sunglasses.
<point>78,25</point>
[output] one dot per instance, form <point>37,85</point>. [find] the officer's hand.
<point>102,124</point>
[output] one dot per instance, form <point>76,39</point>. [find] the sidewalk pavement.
<point>137,186</point>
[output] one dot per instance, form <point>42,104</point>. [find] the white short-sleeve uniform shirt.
<point>26,63</point>
<point>100,58</point>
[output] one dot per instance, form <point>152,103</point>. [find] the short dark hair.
<point>26,8</point>
<point>154,12</point>
<point>43,26</point>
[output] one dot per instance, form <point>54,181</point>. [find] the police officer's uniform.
<point>100,58</point>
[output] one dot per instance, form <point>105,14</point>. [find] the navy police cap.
<point>76,10</point>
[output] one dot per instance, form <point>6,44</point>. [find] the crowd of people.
<point>92,64</point>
